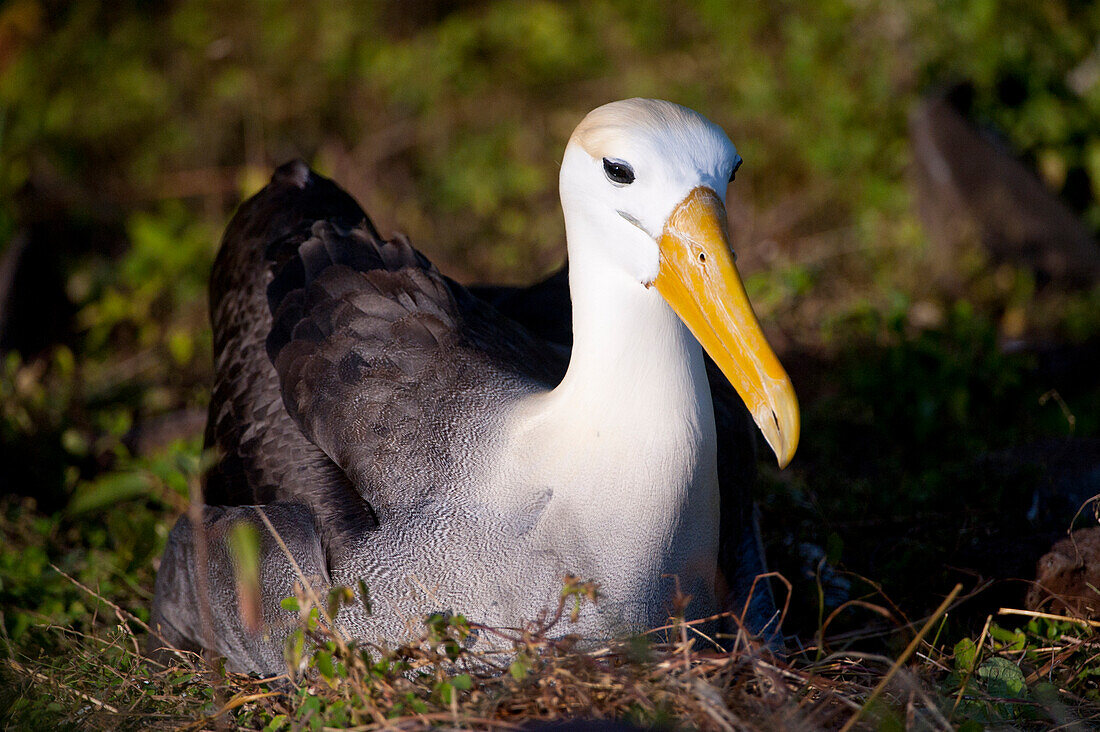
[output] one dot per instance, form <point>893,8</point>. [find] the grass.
<point>1035,677</point>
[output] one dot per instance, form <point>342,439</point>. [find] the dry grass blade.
<point>21,669</point>
<point>1048,616</point>
<point>237,701</point>
<point>122,613</point>
<point>909,650</point>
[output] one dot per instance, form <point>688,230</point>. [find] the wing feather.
<point>392,369</point>
<point>263,457</point>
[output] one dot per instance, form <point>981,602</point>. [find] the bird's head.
<point>652,176</point>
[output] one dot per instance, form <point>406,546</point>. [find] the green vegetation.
<point>129,131</point>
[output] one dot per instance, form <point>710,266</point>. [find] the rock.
<point>972,191</point>
<point>1068,577</point>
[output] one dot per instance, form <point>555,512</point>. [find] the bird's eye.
<point>733,173</point>
<point>618,172</point>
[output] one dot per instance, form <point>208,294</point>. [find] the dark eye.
<point>618,172</point>
<point>733,173</point>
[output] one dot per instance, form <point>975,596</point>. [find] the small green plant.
<point>1009,675</point>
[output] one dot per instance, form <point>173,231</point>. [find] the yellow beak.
<point>699,280</point>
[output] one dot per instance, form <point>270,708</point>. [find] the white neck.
<point>633,412</point>
<point>632,356</point>
<point>623,449</point>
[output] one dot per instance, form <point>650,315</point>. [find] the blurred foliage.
<point>447,120</point>
<point>130,130</point>
<point>1035,73</point>
<point>106,549</point>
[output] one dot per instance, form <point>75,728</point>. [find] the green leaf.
<point>412,703</point>
<point>292,651</point>
<point>290,604</point>
<point>519,668</point>
<point>364,596</point>
<point>965,652</point>
<point>277,723</point>
<point>107,491</point>
<point>446,691</point>
<point>337,598</point>
<point>1003,678</point>
<point>310,706</point>
<point>323,661</point>
<point>1014,639</point>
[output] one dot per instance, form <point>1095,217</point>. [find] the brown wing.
<point>396,372</point>
<point>385,368</point>
<point>263,457</point>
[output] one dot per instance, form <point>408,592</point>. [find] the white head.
<point>665,150</point>
<point>643,187</point>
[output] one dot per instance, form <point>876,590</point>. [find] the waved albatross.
<point>394,428</point>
